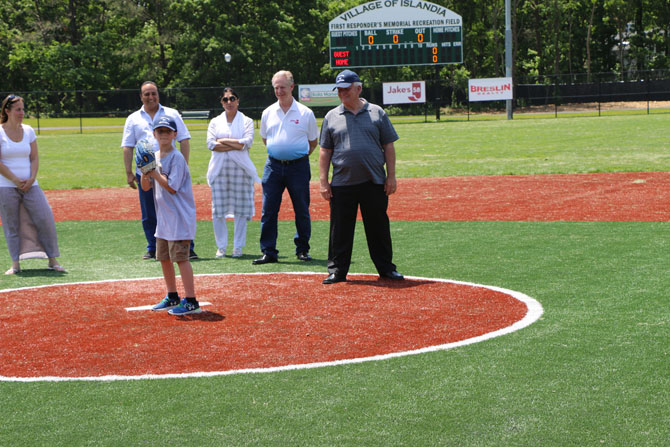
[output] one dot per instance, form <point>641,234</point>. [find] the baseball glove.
<point>144,156</point>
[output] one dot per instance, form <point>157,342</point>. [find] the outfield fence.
<point>639,90</point>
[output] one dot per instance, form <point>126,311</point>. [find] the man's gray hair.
<point>284,74</point>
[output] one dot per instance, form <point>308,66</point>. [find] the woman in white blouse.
<point>231,174</point>
<point>27,220</point>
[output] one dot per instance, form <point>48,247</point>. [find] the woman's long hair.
<point>7,104</point>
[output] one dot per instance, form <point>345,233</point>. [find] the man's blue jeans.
<point>277,177</point>
<point>148,215</point>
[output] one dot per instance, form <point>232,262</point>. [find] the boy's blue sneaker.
<point>166,303</point>
<point>185,308</point>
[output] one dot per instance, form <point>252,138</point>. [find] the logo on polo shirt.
<point>295,121</point>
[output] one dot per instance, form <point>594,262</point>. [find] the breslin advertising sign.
<point>413,92</point>
<point>490,89</point>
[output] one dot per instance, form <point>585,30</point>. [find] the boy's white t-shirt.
<point>175,213</point>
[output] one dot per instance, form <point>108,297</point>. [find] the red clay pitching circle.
<point>255,323</point>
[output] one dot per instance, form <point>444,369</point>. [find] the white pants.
<point>221,232</point>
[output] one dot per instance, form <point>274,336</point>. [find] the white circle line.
<point>535,311</point>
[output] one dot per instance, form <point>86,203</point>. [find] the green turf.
<point>89,125</point>
<point>539,146</point>
<point>593,371</point>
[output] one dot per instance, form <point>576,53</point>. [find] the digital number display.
<point>387,47</point>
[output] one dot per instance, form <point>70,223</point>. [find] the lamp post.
<point>508,52</point>
<point>227,57</point>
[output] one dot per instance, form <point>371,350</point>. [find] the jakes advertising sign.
<point>404,92</point>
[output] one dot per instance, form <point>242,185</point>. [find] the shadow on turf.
<point>286,260</point>
<point>205,315</point>
<point>388,283</point>
<point>35,273</point>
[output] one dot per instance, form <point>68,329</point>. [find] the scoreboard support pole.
<point>437,93</point>
<point>508,53</point>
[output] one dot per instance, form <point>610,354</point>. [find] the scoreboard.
<point>395,33</point>
<point>390,47</point>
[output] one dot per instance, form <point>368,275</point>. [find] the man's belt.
<point>288,162</point>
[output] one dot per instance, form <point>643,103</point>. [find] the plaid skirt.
<point>232,192</point>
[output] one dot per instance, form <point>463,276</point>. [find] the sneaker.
<point>221,253</point>
<point>237,252</point>
<point>185,308</point>
<point>149,255</point>
<point>166,303</point>
<point>192,255</point>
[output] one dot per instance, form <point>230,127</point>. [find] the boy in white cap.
<point>175,212</point>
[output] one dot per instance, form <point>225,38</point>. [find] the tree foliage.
<point>113,44</point>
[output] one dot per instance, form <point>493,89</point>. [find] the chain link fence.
<point>442,97</point>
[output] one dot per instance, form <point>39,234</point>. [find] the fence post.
<point>648,94</point>
<point>599,97</point>
<point>79,100</point>
<point>556,97</point>
<point>38,117</point>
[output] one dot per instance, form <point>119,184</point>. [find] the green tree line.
<point>65,45</point>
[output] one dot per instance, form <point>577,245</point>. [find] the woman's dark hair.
<point>229,89</point>
<point>7,103</point>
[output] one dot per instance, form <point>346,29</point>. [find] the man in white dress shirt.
<point>139,125</point>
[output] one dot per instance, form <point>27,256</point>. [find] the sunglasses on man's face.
<point>229,98</point>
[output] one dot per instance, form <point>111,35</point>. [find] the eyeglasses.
<point>229,98</point>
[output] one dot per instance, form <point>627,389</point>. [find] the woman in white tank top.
<point>27,220</point>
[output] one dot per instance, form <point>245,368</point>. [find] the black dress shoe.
<point>304,256</point>
<point>333,278</point>
<point>265,259</point>
<point>392,275</point>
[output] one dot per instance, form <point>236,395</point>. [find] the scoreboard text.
<point>387,33</point>
<point>396,46</point>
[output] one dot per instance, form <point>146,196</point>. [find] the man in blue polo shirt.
<point>290,133</point>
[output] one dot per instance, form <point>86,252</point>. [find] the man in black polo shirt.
<point>357,139</point>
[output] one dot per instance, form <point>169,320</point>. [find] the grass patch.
<point>590,372</point>
<point>497,147</point>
